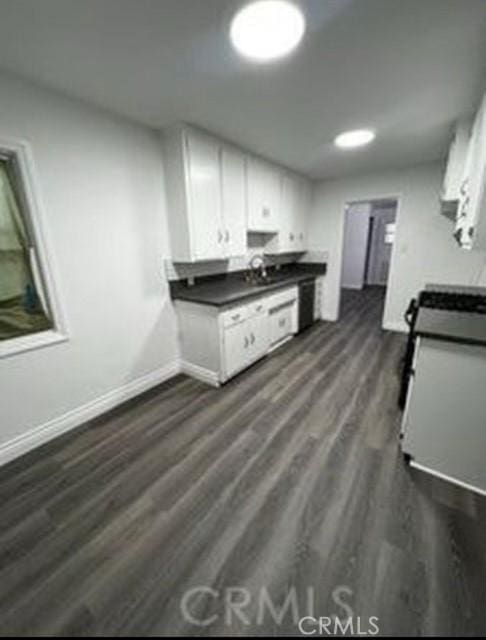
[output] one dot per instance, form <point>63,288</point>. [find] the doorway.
<point>369,235</point>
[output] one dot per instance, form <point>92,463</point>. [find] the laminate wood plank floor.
<point>282,494</point>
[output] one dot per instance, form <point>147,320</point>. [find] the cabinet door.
<point>471,193</point>
<point>263,185</point>
<point>204,190</point>
<point>259,336</point>
<point>303,214</point>
<point>233,202</point>
<point>299,214</point>
<point>288,232</point>
<point>236,347</point>
<point>456,161</point>
<point>281,324</point>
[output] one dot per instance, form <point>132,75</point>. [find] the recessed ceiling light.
<point>357,138</point>
<point>267,29</point>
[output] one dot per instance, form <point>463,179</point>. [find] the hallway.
<point>288,478</point>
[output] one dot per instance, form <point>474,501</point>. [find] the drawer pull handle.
<point>236,316</point>
<point>246,343</point>
<point>260,307</point>
<point>252,339</point>
<point>458,236</point>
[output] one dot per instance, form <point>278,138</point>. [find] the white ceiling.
<point>407,68</point>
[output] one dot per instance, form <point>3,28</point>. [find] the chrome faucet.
<point>260,259</point>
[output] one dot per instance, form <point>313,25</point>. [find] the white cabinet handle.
<point>246,343</point>
<point>265,212</point>
<point>458,236</point>
<point>236,316</point>
<point>227,235</point>
<point>291,236</point>
<point>259,308</point>
<point>301,236</point>
<point>252,339</point>
<point>220,236</point>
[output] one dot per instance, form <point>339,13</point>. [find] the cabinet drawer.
<point>238,314</point>
<point>233,316</point>
<point>259,306</point>
<point>282,297</point>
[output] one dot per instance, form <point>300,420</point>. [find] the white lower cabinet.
<point>236,345</point>
<point>280,324</point>
<point>218,343</point>
<point>245,341</point>
<point>259,336</point>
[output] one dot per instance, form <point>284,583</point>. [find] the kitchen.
<point>200,430</point>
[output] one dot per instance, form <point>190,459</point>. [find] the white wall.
<point>424,250</point>
<point>356,226</point>
<point>102,185</point>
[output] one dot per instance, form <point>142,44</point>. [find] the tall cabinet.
<point>206,195</point>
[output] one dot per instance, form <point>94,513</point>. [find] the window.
<point>26,309</point>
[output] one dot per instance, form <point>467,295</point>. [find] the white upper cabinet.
<point>263,192</point>
<point>455,162</point>
<point>204,195</point>
<point>216,193</point>
<point>293,214</point>
<point>302,214</point>
<point>470,229</point>
<point>233,184</point>
<point>194,196</point>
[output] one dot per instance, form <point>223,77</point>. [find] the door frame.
<point>397,196</point>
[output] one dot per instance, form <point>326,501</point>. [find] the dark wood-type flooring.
<point>287,483</point>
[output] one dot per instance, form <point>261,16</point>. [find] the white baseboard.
<point>399,327</point>
<point>200,373</point>
<point>443,476</point>
<point>281,343</point>
<point>49,430</point>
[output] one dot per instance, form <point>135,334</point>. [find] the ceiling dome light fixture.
<point>266,30</point>
<point>356,138</point>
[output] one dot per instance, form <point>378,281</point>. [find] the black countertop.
<point>230,288</point>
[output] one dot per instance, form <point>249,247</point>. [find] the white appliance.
<point>444,423</point>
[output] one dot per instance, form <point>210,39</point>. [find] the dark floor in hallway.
<point>289,478</point>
